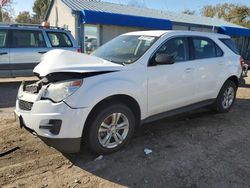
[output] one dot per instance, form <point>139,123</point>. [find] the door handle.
<point>3,53</point>
<point>221,62</point>
<point>42,52</point>
<point>187,70</point>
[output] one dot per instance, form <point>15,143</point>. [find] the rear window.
<point>58,39</point>
<point>230,44</point>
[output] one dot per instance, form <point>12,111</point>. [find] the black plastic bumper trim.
<point>64,145</point>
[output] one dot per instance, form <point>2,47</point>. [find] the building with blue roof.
<point>93,23</point>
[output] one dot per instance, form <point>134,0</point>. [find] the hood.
<point>59,61</point>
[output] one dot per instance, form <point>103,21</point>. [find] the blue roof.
<point>100,6</point>
<point>233,31</point>
<point>97,17</point>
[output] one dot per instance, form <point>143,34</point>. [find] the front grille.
<point>25,105</point>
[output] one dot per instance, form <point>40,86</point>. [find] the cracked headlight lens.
<point>58,91</point>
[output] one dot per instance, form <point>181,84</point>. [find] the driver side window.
<point>175,47</point>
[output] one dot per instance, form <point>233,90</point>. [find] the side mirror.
<point>164,59</point>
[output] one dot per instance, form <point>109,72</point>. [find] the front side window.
<point>59,39</point>
<point>3,38</point>
<point>27,39</point>
<point>205,48</point>
<point>176,47</point>
<point>125,49</point>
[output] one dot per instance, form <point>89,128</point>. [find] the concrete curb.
<point>17,79</point>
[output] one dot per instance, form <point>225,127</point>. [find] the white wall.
<point>108,32</point>
<point>61,16</point>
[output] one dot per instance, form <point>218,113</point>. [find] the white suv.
<point>135,78</point>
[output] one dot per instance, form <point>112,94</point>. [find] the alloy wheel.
<point>228,97</point>
<point>113,130</point>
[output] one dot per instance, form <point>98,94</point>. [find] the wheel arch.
<point>233,79</point>
<point>119,98</point>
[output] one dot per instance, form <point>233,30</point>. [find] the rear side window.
<point>3,38</point>
<point>230,44</point>
<point>27,39</point>
<point>58,39</point>
<point>219,51</point>
<point>205,48</point>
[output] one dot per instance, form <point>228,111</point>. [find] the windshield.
<point>125,49</point>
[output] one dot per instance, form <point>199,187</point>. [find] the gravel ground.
<point>197,149</point>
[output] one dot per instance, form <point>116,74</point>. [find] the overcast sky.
<point>171,5</point>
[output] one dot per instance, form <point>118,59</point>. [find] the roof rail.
<point>30,25</point>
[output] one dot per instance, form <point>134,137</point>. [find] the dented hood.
<point>59,61</point>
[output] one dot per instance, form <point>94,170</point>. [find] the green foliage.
<point>39,8</point>
<point>5,16</point>
<point>5,12</point>
<point>24,17</point>
<point>238,14</point>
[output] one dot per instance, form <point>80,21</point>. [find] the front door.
<point>171,86</point>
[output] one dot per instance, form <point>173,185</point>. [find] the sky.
<point>170,5</point>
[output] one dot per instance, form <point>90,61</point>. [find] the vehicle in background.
<point>245,68</point>
<point>248,63</point>
<point>90,45</point>
<point>21,46</point>
<point>135,78</point>
<point>244,65</point>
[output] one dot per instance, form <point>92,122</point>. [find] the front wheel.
<point>226,97</point>
<point>111,128</point>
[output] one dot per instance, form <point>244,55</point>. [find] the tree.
<point>189,12</point>
<point>208,11</point>
<point>238,14</point>
<point>5,11</point>
<point>39,8</point>
<point>24,17</point>
<point>5,16</point>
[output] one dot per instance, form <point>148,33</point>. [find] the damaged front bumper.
<point>57,124</point>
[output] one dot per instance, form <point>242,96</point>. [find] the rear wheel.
<point>226,97</point>
<point>111,128</point>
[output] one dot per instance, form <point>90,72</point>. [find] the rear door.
<point>27,47</point>
<point>4,54</point>
<point>171,86</point>
<point>209,62</point>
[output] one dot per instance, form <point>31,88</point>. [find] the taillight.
<point>241,62</point>
<point>79,50</point>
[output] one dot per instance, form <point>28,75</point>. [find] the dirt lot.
<point>198,149</point>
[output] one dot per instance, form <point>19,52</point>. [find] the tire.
<point>226,97</point>
<point>106,133</point>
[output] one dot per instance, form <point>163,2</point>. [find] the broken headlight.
<point>58,91</point>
